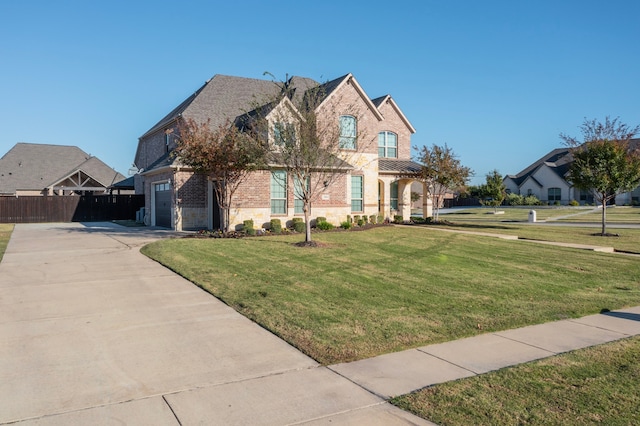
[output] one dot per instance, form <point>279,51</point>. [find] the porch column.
<point>427,204</point>
<point>384,194</point>
<point>404,200</point>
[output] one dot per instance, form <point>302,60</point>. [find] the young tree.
<point>493,192</point>
<point>225,154</point>
<point>603,162</point>
<point>441,171</point>
<point>309,144</point>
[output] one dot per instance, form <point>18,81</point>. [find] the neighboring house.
<point>547,180</point>
<point>123,187</point>
<point>180,199</point>
<point>41,169</point>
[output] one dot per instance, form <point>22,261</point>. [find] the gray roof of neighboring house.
<point>34,167</point>
<point>128,183</point>
<point>557,160</point>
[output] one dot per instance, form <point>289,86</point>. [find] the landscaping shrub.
<point>532,200</point>
<point>380,218</point>
<point>276,226</point>
<point>298,224</point>
<point>398,218</point>
<point>574,203</point>
<point>247,227</point>
<point>346,224</point>
<point>360,222</point>
<point>349,219</point>
<point>324,226</point>
<point>356,219</point>
<point>320,219</point>
<point>374,219</point>
<point>514,200</point>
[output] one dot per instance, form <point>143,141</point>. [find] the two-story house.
<point>373,182</point>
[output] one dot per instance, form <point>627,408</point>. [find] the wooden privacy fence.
<point>85,208</point>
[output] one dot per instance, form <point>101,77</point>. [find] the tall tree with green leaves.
<point>493,191</point>
<point>603,161</point>
<point>226,155</point>
<point>441,171</point>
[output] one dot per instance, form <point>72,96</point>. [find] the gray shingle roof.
<point>226,97</point>
<point>34,167</point>
<point>397,166</point>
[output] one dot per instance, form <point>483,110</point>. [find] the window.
<point>298,202</point>
<point>393,196</point>
<point>279,192</point>
<point>357,194</point>
<point>161,186</point>
<point>387,145</point>
<point>283,133</point>
<point>554,194</point>
<point>347,132</point>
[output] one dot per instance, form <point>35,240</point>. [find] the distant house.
<point>547,180</point>
<point>41,169</point>
<point>374,183</point>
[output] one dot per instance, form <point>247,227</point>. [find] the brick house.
<point>374,184</point>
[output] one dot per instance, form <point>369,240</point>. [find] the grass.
<point>5,234</point>
<point>597,385</point>
<point>393,288</point>
<point>514,222</point>
<point>622,214</point>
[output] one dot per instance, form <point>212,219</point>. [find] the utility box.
<point>532,216</point>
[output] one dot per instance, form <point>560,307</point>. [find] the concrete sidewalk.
<point>404,372</point>
<point>93,332</point>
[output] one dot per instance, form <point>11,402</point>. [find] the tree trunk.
<point>604,214</point>
<point>307,222</point>
<point>224,215</point>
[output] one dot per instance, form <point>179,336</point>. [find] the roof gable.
<point>333,87</point>
<point>35,167</point>
<point>387,99</point>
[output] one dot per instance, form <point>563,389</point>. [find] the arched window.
<point>348,132</point>
<point>387,145</point>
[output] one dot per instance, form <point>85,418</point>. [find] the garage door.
<point>163,204</point>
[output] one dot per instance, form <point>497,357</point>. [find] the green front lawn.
<point>393,288</point>
<point>597,385</point>
<point>5,234</point>
<point>514,222</point>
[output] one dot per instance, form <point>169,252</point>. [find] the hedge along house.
<point>372,182</point>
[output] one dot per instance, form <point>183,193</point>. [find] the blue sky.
<point>497,81</point>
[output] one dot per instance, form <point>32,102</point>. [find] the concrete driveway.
<point>93,332</point>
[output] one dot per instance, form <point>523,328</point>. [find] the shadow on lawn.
<point>468,225</point>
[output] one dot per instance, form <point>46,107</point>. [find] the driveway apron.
<point>93,332</point>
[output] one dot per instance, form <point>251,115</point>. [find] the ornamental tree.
<point>440,171</point>
<point>226,155</point>
<point>308,141</point>
<point>493,191</point>
<point>603,161</point>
